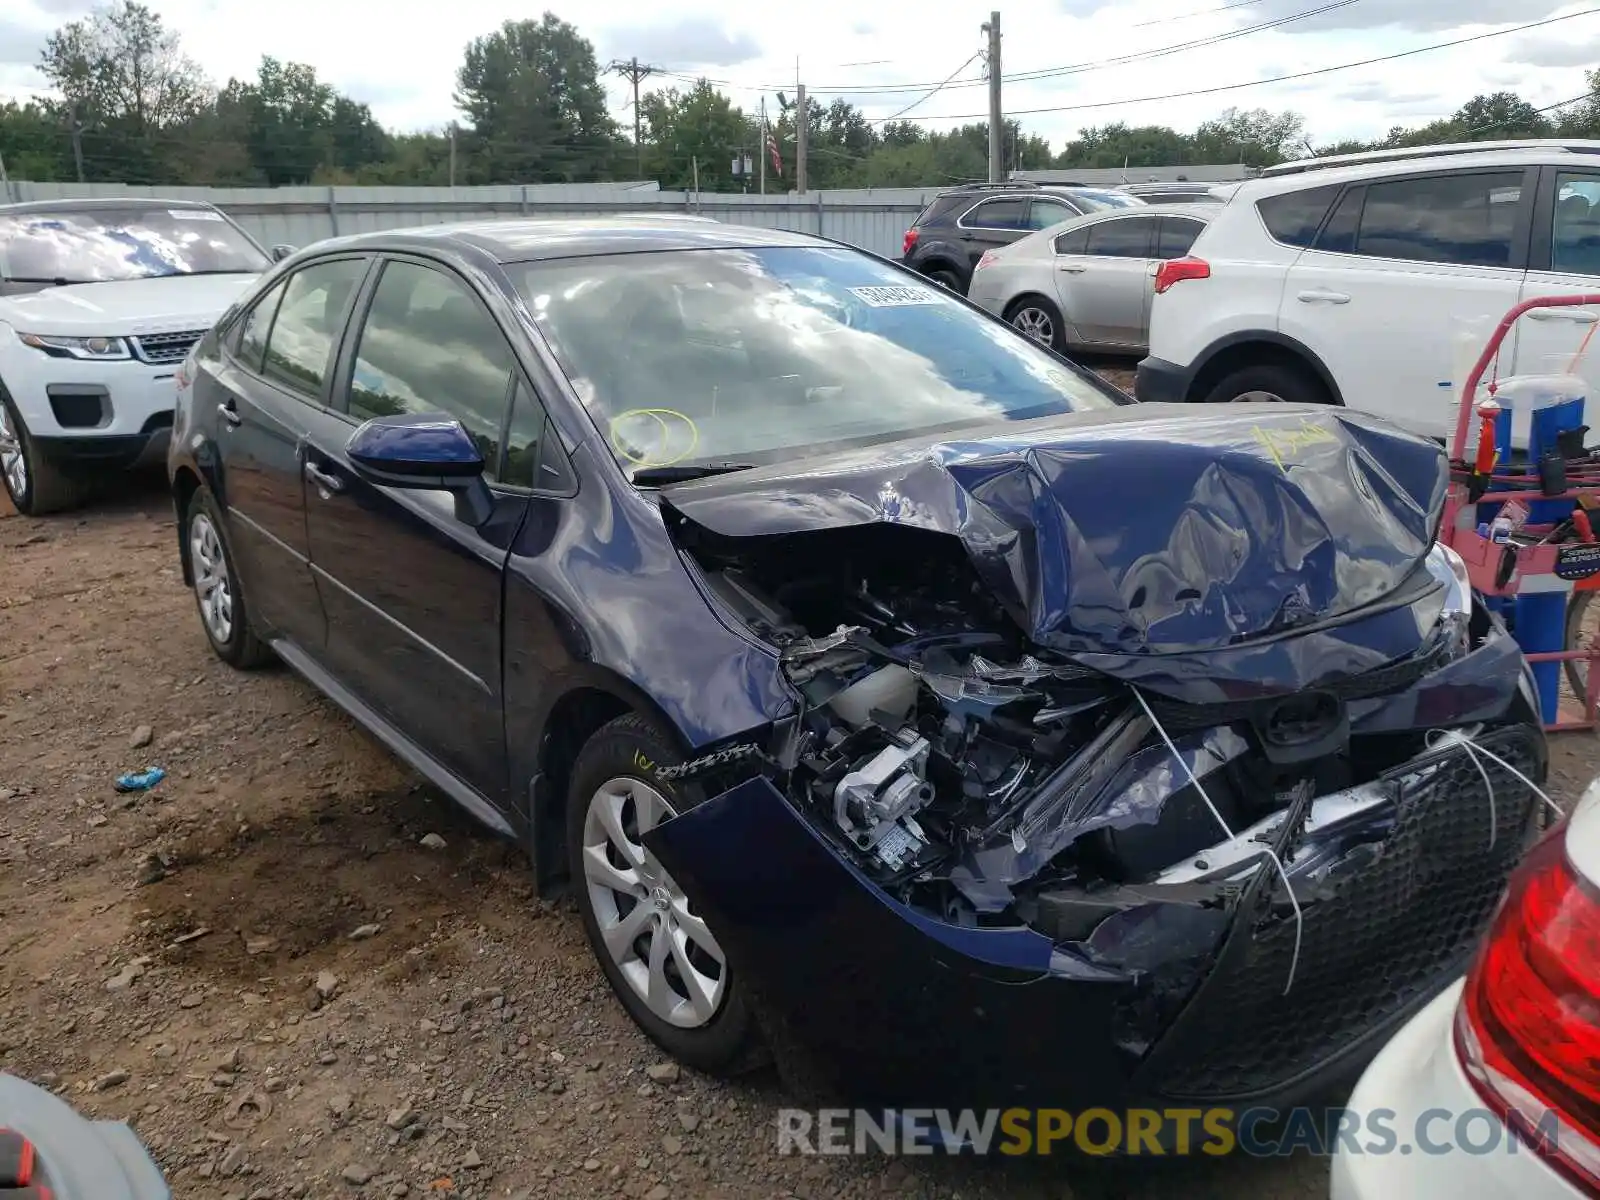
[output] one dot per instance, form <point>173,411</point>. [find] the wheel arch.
<point>186,482</point>
<point>1239,350</point>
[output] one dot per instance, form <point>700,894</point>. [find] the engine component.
<point>875,804</point>
<point>889,691</point>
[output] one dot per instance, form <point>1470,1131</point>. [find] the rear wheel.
<point>1038,319</point>
<point>1269,383</point>
<point>218,595</point>
<point>661,958</point>
<point>35,485</point>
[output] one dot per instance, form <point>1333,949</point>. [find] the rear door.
<point>1045,211</point>
<point>1104,280</point>
<point>265,408</point>
<point>991,223</point>
<point>414,595</point>
<point>1564,260</point>
<point>1401,270</point>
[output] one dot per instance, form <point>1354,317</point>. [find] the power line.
<point>898,89</point>
<point>935,90</point>
<point>1199,12</point>
<point>1233,87</point>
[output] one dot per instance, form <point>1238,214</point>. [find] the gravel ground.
<point>263,966</point>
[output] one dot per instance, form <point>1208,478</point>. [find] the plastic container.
<point>1536,409</point>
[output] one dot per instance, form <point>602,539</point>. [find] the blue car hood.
<point>1141,530</point>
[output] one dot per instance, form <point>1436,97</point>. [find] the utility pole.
<point>633,73</point>
<point>761,152</point>
<point>452,155</point>
<point>76,129</point>
<point>996,116</point>
<point>801,112</point>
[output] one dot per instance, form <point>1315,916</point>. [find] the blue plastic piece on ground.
<point>140,781</point>
<point>1541,627</point>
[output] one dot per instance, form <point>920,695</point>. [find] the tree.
<point>125,81</point>
<point>701,127</point>
<point>531,91</point>
<point>1499,115</point>
<point>1257,138</point>
<point>294,125</point>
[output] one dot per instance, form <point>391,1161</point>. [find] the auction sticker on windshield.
<point>895,297</point>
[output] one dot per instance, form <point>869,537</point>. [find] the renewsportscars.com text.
<point>1172,1132</point>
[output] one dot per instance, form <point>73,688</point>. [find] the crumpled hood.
<point>1147,529</point>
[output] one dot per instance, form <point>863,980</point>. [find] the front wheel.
<point>661,958</point>
<point>218,594</point>
<point>35,485</point>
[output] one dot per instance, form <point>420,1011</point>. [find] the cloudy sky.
<point>400,55</point>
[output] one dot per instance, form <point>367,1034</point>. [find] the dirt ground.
<point>260,966</point>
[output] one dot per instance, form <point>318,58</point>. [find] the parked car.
<point>1180,193</point>
<point>847,654</point>
<point>1499,1072</point>
<point>1356,280</point>
<point>99,302</point>
<point>951,234</point>
<point>1086,284</point>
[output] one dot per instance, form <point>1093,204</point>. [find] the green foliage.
<point>135,108</point>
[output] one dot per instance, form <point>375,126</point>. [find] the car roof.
<point>93,203</point>
<point>1412,164</point>
<point>1198,210</point>
<point>531,239</point>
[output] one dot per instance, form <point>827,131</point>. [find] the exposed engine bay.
<point>969,772</point>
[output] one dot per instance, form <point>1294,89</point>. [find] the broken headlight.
<point>1446,566</point>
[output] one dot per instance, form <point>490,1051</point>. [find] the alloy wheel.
<point>12,463</point>
<point>664,951</point>
<point>212,586</point>
<point>1258,397</point>
<point>1036,323</point>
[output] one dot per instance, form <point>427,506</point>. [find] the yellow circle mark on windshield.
<point>663,455</point>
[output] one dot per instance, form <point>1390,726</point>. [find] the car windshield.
<point>752,356</point>
<point>1101,199</point>
<point>108,244</point>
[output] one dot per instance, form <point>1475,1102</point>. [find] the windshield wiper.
<point>56,281</point>
<point>660,476</point>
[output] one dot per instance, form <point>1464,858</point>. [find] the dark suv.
<point>948,238</point>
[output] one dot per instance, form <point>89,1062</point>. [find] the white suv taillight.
<point>1176,270</point>
<point>1527,1031</point>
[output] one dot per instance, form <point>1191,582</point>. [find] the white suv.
<point>1356,280</point>
<point>100,301</point>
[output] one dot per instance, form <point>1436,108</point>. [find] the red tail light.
<point>1176,270</point>
<point>1528,1028</point>
<point>989,259</point>
<point>909,242</point>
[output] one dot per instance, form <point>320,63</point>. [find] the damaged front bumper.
<point>1202,981</point>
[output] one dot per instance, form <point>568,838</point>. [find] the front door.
<point>1565,261</point>
<point>413,593</point>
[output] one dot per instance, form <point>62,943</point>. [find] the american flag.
<point>772,151</point>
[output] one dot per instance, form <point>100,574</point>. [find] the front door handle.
<point>1577,315</point>
<point>230,414</point>
<point>323,480</point>
<point>1322,296</point>
<point>1072,268</point>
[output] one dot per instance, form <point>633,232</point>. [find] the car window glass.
<point>1075,241</point>
<point>524,432</point>
<point>427,346</point>
<point>1129,238</point>
<point>997,214</point>
<point>1293,218</point>
<point>1044,213</point>
<point>1177,236</point>
<point>1464,219</point>
<point>251,336</point>
<point>1338,236</point>
<point>309,322</point>
<point>1575,231</point>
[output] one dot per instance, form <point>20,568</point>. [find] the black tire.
<point>1047,311</point>
<point>1290,384</point>
<point>946,277</point>
<point>727,1044</point>
<point>241,648</point>
<point>47,489</point>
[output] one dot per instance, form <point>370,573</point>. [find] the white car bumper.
<point>1446,1143</point>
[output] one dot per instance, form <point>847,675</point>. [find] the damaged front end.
<point>1226,744</point>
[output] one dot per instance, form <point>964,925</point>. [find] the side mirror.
<point>423,452</point>
<point>281,252</point>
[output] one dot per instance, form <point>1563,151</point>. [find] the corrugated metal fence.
<point>874,219</point>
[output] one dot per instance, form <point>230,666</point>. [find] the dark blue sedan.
<point>894,696</point>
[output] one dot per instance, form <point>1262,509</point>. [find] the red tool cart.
<point>1524,529</point>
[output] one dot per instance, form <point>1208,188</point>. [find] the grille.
<point>1375,940</point>
<point>164,348</point>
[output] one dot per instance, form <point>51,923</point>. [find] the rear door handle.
<point>1578,315</point>
<point>1322,296</point>
<point>230,413</point>
<point>1072,268</point>
<point>323,480</point>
